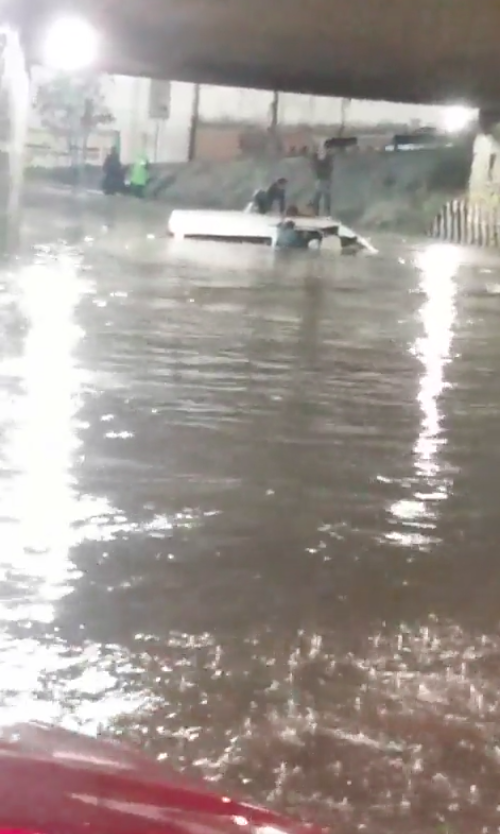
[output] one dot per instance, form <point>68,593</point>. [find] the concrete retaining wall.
<point>395,191</point>
<point>390,191</point>
<point>235,105</point>
<point>484,183</point>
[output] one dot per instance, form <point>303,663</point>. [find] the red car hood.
<point>56,782</point>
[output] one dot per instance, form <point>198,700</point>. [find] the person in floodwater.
<point>263,200</point>
<point>289,237</point>
<point>113,175</point>
<point>322,166</point>
<point>139,176</point>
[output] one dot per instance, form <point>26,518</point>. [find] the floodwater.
<point>249,515</point>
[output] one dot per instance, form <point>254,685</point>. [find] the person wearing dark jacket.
<point>322,166</point>
<point>289,237</point>
<point>113,175</point>
<point>263,200</point>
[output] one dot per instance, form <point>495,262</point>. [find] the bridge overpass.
<point>405,50</point>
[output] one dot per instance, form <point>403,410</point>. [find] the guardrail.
<point>468,222</point>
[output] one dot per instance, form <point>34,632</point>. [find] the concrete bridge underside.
<point>405,50</point>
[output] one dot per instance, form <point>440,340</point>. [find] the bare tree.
<point>73,107</point>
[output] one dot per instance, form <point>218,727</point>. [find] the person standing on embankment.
<point>113,175</point>
<point>139,176</point>
<point>322,166</point>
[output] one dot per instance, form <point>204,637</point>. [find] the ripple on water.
<point>240,511</point>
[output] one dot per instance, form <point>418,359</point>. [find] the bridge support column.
<point>14,111</point>
<point>484,182</point>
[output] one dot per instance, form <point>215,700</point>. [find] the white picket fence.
<point>468,222</point>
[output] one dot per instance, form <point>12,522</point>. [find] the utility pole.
<point>273,127</point>
<point>195,118</point>
<point>344,110</point>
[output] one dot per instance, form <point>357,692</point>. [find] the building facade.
<point>176,121</point>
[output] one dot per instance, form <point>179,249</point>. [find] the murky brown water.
<point>250,517</point>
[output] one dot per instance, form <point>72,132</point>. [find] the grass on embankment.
<point>393,191</point>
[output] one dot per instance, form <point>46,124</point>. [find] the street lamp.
<point>457,118</point>
<point>71,45</point>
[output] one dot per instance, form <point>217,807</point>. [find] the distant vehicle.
<point>341,142</point>
<point>424,137</point>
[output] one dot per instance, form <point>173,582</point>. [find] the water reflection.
<point>37,501</point>
<point>438,265</point>
<point>194,529</point>
<point>42,441</point>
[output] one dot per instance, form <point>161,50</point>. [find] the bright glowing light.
<point>457,118</point>
<point>42,441</point>
<point>439,265</point>
<point>415,513</point>
<point>70,45</point>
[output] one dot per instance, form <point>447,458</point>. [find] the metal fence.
<point>468,222</point>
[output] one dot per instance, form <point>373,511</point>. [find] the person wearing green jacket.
<point>139,176</point>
